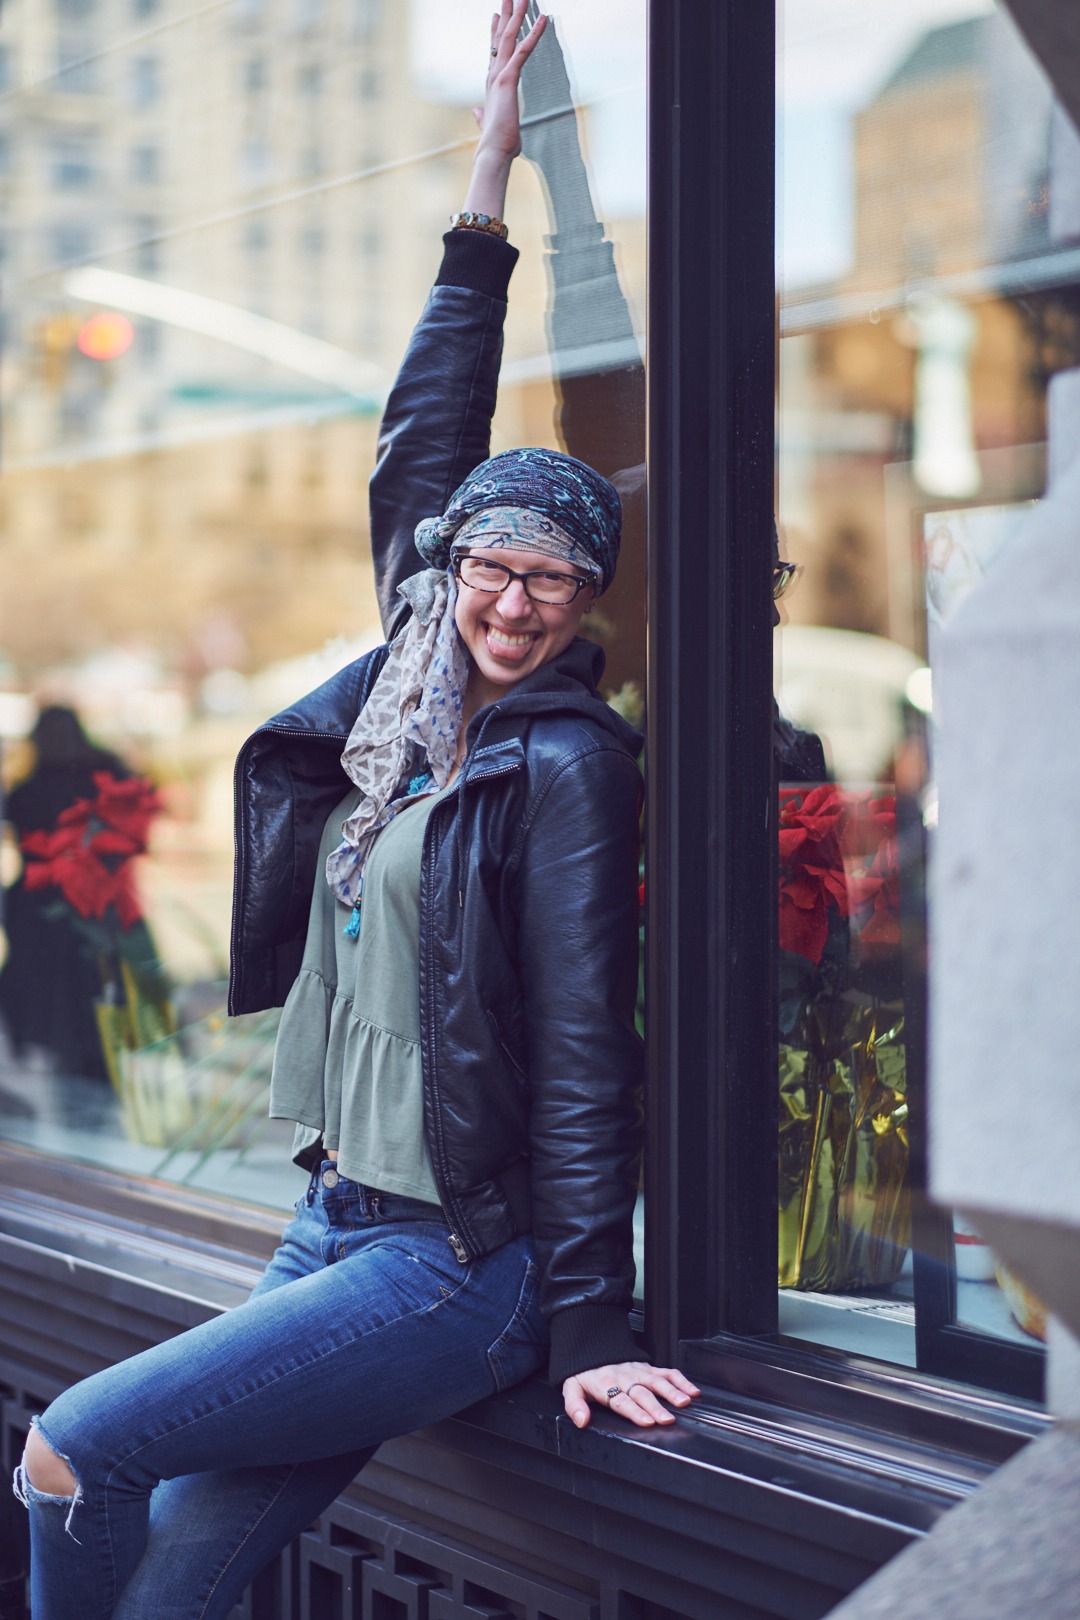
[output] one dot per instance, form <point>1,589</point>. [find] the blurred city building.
<point>918,366</point>
<point>219,224</point>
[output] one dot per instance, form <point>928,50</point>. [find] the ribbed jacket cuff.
<point>477,260</point>
<point>586,1336</point>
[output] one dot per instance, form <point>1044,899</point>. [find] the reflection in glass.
<point>927,296</point>
<point>82,977</point>
<point>844,1213</point>
<point>254,197</point>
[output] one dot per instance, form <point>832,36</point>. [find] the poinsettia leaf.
<point>803,931</point>
<point>882,928</point>
<point>826,801</point>
<point>800,891</point>
<point>38,875</point>
<point>886,861</point>
<point>128,806</point>
<point>868,823</point>
<point>87,885</point>
<point>50,845</point>
<point>108,841</point>
<point>77,814</point>
<point>127,904</point>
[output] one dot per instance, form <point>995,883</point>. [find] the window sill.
<point>814,1435</point>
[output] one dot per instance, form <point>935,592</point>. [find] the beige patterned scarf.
<point>405,739</point>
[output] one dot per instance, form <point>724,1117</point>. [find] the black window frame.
<point>710,1176</point>
<point>711,1157</point>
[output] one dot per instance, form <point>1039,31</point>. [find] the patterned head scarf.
<point>515,528</point>
<point>578,512</point>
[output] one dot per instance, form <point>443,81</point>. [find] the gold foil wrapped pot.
<point>844,1213</point>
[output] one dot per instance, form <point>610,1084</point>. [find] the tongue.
<point>502,649</point>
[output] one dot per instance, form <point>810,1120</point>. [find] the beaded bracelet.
<point>468,221</point>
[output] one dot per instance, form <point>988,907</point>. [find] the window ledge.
<point>779,1430</point>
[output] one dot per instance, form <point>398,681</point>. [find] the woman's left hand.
<point>632,1389</point>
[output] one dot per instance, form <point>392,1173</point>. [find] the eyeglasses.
<point>553,590</point>
<point>784,575</point>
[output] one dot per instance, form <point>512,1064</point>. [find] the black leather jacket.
<point>528,917</point>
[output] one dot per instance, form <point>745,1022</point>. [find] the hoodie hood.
<point>569,684</point>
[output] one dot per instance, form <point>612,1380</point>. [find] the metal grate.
<point>358,1565</point>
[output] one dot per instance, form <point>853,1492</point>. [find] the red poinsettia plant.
<point>837,861</point>
<point>812,878</point>
<point>89,854</point>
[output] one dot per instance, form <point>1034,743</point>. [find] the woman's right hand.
<point>499,118</point>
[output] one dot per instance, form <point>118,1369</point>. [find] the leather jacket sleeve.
<point>437,423</point>
<point>578,908</point>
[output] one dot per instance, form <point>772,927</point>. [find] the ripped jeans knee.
<point>29,1494</point>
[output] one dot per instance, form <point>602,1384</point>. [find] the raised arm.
<point>437,424</point>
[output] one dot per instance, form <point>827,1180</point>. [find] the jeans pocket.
<point>522,1345</point>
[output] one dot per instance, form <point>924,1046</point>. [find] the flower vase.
<point>142,1053</point>
<point>844,1208</point>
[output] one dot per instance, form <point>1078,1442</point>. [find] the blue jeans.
<point>201,1458</point>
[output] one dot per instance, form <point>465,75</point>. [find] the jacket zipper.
<point>451,1206</point>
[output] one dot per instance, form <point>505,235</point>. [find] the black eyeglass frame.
<point>577,580</point>
<point>784,575</point>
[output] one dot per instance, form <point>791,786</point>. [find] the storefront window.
<point>218,232</point>
<point>928,295</point>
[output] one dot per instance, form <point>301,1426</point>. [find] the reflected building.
<point>186,156</point>
<point>257,190</point>
<point>922,370</point>
<point>306,187</point>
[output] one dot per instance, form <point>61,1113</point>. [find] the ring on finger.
<point>637,1385</point>
<point>494,50</point>
<point>613,1391</point>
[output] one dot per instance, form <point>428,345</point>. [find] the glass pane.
<point>925,179</point>
<point>218,231</point>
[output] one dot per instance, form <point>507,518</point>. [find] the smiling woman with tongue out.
<point>437,860</point>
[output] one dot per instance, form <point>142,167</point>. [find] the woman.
<point>472,1145</point>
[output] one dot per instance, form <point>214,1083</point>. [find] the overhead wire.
<point>249,210</point>
<point>112,49</point>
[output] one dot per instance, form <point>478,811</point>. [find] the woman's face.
<point>509,635</point>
